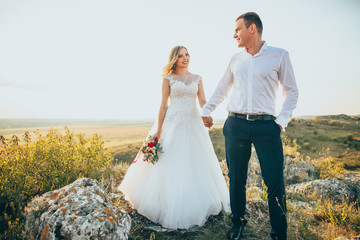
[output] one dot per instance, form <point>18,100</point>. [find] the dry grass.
<point>340,136</point>
<point>114,136</point>
<point>324,220</point>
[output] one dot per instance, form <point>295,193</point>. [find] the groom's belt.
<point>252,117</point>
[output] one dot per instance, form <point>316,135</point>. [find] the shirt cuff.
<point>205,112</point>
<point>282,122</point>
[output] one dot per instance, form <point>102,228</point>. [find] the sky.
<point>87,59</point>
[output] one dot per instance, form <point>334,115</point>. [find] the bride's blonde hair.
<point>170,67</point>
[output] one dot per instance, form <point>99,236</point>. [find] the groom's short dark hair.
<point>250,18</point>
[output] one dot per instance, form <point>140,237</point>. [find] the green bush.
<point>306,145</point>
<point>328,167</point>
<point>350,138</point>
<point>29,168</point>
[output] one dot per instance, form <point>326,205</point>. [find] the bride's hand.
<point>156,135</point>
<point>208,121</point>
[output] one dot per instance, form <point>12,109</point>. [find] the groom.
<point>255,74</point>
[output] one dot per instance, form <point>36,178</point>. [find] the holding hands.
<point>208,121</point>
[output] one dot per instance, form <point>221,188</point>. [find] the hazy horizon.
<point>150,119</point>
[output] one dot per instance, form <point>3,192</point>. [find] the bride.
<point>186,185</point>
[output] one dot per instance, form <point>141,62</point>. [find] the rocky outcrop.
<point>81,210</point>
<point>353,182</point>
<point>336,189</point>
<point>295,171</point>
<point>298,171</point>
<point>302,177</point>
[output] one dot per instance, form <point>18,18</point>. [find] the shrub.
<point>218,150</point>
<point>29,168</point>
<point>306,145</point>
<point>290,147</point>
<point>342,215</point>
<point>327,165</point>
<point>305,230</point>
<point>350,138</point>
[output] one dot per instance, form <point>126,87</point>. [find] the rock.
<point>254,178</point>
<point>257,210</point>
<point>81,210</point>
<point>145,224</point>
<point>353,182</point>
<point>303,205</point>
<point>295,171</point>
<point>335,189</point>
<point>298,171</point>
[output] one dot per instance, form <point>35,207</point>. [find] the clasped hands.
<point>208,121</point>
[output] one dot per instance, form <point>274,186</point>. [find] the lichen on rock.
<point>81,210</point>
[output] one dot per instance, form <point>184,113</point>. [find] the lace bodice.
<point>183,86</point>
<point>183,92</point>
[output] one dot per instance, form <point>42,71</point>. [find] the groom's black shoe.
<point>236,232</point>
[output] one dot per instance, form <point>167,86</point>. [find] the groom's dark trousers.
<point>265,135</point>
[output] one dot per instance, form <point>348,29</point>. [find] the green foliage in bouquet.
<point>29,168</point>
<point>151,149</point>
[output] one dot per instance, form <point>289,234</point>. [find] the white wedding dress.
<point>186,185</point>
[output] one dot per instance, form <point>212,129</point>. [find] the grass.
<point>113,136</point>
<point>326,220</point>
<point>341,137</point>
<point>330,143</point>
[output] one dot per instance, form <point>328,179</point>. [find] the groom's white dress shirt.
<point>255,80</point>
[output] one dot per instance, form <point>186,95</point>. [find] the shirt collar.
<point>262,49</point>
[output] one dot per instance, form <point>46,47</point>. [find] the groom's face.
<point>242,34</point>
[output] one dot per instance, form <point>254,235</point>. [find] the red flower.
<point>156,139</point>
<point>151,144</point>
<point>150,151</point>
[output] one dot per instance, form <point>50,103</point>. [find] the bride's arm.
<point>202,101</point>
<point>165,93</point>
<point>201,94</point>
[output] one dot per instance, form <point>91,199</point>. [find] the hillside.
<point>318,151</point>
<point>337,136</point>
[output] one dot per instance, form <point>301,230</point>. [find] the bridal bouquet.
<point>151,148</point>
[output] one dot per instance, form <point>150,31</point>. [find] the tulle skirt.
<point>186,185</point>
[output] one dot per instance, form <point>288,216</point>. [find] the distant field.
<point>341,133</point>
<point>112,135</point>
<point>116,134</point>
<point>124,137</point>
